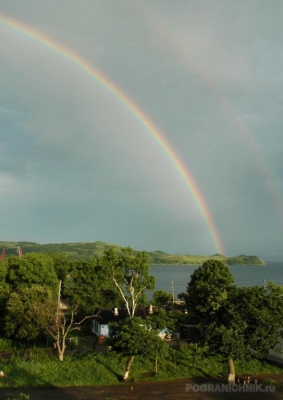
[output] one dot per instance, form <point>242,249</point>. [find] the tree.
<point>32,269</point>
<point>247,325</point>
<point>238,323</point>
<point>3,271</point>
<point>63,323</point>
<point>61,264</point>
<point>208,287</point>
<point>27,312</point>
<point>160,298</point>
<point>60,322</point>
<point>81,285</point>
<point>5,291</point>
<point>133,337</point>
<point>88,286</point>
<point>130,275</point>
<point>161,319</point>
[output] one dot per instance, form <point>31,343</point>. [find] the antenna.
<point>20,251</point>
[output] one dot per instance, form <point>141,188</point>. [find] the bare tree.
<point>62,322</point>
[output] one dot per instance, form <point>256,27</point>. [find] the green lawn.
<point>93,369</point>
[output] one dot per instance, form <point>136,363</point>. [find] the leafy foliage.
<point>132,337</point>
<point>237,323</point>
<point>161,319</point>
<point>32,269</point>
<point>62,265</point>
<point>88,285</point>
<point>208,288</point>
<point>248,323</point>
<point>160,298</point>
<point>27,312</point>
<point>137,336</point>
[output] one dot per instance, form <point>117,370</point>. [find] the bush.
<point>5,344</point>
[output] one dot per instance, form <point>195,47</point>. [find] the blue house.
<point>100,323</point>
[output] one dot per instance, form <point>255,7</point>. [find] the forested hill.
<point>88,250</point>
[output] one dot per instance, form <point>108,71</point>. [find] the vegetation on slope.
<point>96,249</point>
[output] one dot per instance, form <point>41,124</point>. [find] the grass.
<point>106,369</point>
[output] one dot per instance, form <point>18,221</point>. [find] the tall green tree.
<point>208,288</point>
<point>206,299</point>
<point>238,323</point>
<point>129,274</point>
<point>247,325</point>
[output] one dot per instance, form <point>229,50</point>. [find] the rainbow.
<point>244,134</point>
<point>77,60</point>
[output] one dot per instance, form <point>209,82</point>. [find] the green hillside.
<point>88,250</point>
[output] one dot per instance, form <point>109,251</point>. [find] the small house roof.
<point>63,306</point>
<point>105,316</point>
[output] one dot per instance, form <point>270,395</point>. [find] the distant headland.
<point>88,250</point>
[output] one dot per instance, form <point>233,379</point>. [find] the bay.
<point>244,275</point>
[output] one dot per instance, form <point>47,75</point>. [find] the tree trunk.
<point>128,366</point>
<point>231,377</point>
<point>61,347</point>
<point>60,355</point>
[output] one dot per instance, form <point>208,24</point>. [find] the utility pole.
<point>173,296</point>
<point>264,283</point>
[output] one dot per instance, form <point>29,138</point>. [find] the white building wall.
<point>104,330</point>
<point>98,329</point>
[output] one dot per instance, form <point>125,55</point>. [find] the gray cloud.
<point>77,165</point>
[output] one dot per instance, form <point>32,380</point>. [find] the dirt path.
<point>174,390</point>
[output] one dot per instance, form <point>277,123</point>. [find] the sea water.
<point>177,277</point>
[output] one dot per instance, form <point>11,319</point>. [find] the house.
<point>100,323</point>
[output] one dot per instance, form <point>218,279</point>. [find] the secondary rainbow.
<point>77,60</point>
<point>186,58</point>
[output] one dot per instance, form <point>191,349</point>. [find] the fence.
<point>28,353</point>
<point>73,344</point>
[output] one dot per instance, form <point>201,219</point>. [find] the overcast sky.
<point>77,166</point>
